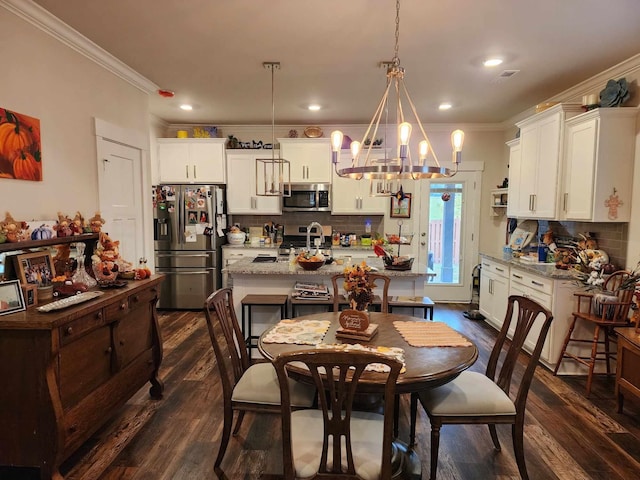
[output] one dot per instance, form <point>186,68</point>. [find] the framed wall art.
<point>401,208</point>
<point>20,146</point>
<point>35,268</point>
<point>11,299</point>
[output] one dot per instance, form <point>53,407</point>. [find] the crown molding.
<point>48,23</point>
<point>628,67</point>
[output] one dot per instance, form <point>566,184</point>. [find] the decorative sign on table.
<point>354,324</point>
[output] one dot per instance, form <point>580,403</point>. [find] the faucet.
<point>311,225</point>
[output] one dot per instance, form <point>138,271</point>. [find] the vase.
<point>600,301</point>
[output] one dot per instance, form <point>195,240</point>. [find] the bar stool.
<point>425,303</point>
<point>250,301</point>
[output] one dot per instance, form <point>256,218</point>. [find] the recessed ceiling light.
<point>314,107</point>
<point>186,107</point>
<point>444,106</point>
<point>492,62</point>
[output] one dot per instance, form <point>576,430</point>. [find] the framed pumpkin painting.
<point>20,146</point>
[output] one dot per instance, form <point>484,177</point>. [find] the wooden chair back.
<point>226,337</point>
<point>611,312</point>
<point>337,373</point>
<point>376,278</point>
<point>524,312</point>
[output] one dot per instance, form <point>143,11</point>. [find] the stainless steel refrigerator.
<point>187,247</point>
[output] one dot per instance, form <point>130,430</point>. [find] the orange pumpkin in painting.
<point>13,138</point>
<point>26,167</point>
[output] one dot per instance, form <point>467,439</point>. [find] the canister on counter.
<point>335,239</point>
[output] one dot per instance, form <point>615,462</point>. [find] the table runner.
<point>430,334</point>
<point>393,352</point>
<point>300,332</point>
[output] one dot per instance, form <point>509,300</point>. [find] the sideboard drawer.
<point>80,326</point>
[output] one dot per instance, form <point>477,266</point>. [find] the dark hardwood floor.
<point>566,435</point>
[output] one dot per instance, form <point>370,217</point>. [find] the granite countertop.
<point>548,270</point>
<point>247,267</point>
<point>335,248</point>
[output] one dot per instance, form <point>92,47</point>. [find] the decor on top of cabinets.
<point>615,93</point>
<point>20,146</point>
<point>388,173</point>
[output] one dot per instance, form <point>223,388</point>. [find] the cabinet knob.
<point>69,330</point>
<point>135,298</point>
<point>123,306</point>
<point>99,315</point>
<point>108,350</point>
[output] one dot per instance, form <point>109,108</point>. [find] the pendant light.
<point>273,175</point>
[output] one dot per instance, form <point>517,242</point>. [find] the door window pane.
<point>445,219</point>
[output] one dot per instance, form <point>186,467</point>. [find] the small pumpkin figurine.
<point>63,227</point>
<point>43,232</point>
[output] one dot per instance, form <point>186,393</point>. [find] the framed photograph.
<point>11,299</point>
<point>30,294</point>
<point>35,268</point>
<point>402,208</point>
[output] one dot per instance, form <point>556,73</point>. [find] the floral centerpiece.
<point>358,286</point>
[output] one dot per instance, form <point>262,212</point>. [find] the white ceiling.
<point>210,52</point>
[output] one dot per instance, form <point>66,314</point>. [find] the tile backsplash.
<point>611,237</point>
<point>340,223</point>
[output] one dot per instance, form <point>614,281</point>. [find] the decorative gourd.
<point>42,233</point>
<point>25,166</point>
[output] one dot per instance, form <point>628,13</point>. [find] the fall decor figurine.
<point>77,225</point>
<point>96,222</point>
<point>63,226</point>
<point>13,230</point>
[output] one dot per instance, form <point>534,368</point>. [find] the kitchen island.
<point>279,278</point>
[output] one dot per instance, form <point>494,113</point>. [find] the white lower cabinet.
<point>555,295</point>
<point>494,291</point>
<point>233,254</point>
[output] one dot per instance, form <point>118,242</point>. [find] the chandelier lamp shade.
<point>273,175</point>
<point>402,165</point>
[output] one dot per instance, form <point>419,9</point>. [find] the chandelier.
<point>402,165</point>
<point>273,175</point>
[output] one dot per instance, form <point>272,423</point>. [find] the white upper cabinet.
<point>310,159</point>
<point>351,197</point>
<point>598,166</point>
<point>241,185</point>
<point>193,160</point>
<point>535,188</point>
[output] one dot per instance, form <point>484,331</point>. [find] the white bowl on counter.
<point>236,238</point>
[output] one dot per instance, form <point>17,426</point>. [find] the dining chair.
<point>611,315</point>
<point>245,387</point>
<point>376,278</point>
<point>476,398</point>
<point>336,441</point>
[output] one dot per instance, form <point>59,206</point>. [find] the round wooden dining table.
<point>426,367</point>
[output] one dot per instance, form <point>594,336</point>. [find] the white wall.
<point>45,79</point>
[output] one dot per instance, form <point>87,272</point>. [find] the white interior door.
<point>120,190</point>
<point>448,226</point>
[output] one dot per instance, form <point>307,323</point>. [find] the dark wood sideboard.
<point>64,373</point>
<point>628,366</point>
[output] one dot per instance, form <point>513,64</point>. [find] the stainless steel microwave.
<point>308,197</point>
